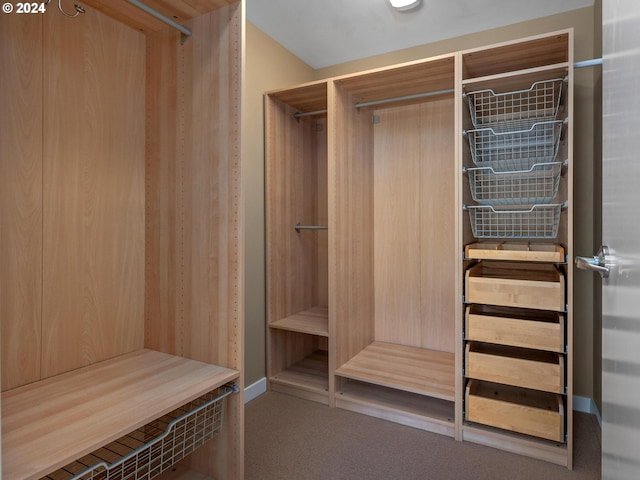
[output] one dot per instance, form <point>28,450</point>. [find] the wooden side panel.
<point>194,261</point>
<point>437,224</point>
<point>93,191</point>
<point>20,197</point>
<point>351,309</point>
<point>414,225</point>
<point>397,239</point>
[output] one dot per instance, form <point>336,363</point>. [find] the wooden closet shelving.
<point>121,278</point>
<point>410,288</point>
<point>297,259</point>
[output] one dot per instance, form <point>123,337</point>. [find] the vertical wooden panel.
<point>438,247</point>
<point>93,191</point>
<point>194,260</point>
<point>397,226</point>
<point>351,308</point>
<point>20,197</point>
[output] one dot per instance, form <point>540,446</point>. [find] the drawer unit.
<point>536,329</point>
<point>510,284</point>
<point>531,412</point>
<point>519,367</point>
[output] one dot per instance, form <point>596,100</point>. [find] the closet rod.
<point>186,33</point>
<point>406,97</point>
<point>299,227</point>
<point>588,63</point>
<point>306,114</point>
<point>584,63</point>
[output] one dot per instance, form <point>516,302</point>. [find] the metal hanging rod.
<point>307,114</point>
<point>185,32</point>
<point>582,64</point>
<point>299,227</point>
<point>405,97</point>
<point>588,63</point>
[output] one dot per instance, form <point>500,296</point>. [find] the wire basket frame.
<point>155,447</point>
<point>537,185</point>
<point>516,150</point>
<point>511,110</point>
<point>539,221</point>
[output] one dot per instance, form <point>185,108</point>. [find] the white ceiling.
<point>328,32</point>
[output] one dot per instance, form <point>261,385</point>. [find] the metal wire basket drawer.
<point>512,110</point>
<point>155,447</point>
<point>515,150</point>
<point>539,221</point>
<point>539,184</point>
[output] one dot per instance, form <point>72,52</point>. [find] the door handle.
<point>597,263</point>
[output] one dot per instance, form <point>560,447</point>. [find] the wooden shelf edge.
<point>422,422</point>
<point>516,443</point>
<point>313,321</point>
<point>72,414</point>
<point>386,374</point>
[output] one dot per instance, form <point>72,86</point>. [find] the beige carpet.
<point>288,438</point>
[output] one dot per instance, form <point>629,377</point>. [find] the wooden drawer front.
<point>514,366</point>
<point>536,286</point>
<point>540,414</point>
<point>537,329</point>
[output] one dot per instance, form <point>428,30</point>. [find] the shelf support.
<point>185,33</point>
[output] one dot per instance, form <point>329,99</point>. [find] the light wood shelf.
<point>314,321</point>
<point>414,410</point>
<point>48,424</point>
<point>310,374</point>
<point>416,370</point>
<point>515,251</point>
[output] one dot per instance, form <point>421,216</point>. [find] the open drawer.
<point>521,285</point>
<point>519,367</point>
<point>531,412</point>
<point>537,329</point>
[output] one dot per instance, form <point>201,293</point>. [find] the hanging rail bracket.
<point>185,33</point>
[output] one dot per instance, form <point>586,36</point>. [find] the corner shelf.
<point>310,375</point>
<point>73,414</point>
<point>314,321</point>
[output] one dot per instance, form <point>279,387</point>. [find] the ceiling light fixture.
<point>403,5</point>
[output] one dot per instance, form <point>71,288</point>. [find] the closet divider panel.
<point>93,191</point>
<point>20,198</point>
<point>194,241</point>
<point>351,218</point>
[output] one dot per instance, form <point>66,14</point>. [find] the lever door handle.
<point>596,263</point>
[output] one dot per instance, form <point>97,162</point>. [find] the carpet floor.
<point>288,438</point>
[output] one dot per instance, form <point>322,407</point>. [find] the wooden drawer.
<point>536,286</point>
<point>537,329</point>
<point>540,414</point>
<point>533,369</point>
<point>518,251</point>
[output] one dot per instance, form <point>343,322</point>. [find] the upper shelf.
<point>48,424</point>
<point>535,52</point>
<point>178,10</point>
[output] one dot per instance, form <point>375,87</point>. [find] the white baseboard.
<point>255,389</point>
<point>586,405</point>
<point>580,404</point>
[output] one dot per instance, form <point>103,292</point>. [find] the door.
<point>621,233</point>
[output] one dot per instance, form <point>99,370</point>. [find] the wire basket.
<point>539,221</point>
<point>155,447</point>
<point>537,185</point>
<point>513,110</point>
<point>515,150</point>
